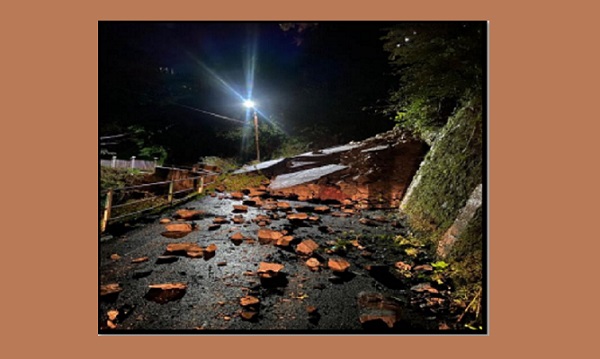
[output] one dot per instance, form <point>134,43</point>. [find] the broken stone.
<point>313,264</point>
<point>402,266</point>
<point>269,270</point>
<point>338,265</point>
<point>248,315</point>
<point>423,268</point>
<point>284,206</point>
<point>174,234</point>
<point>340,214</point>
<point>297,217</point>
<point>237,195</point>
<point>115,257</point>
<point>209,251</point>
<point>110,289</point>
<point>112,315</point>
<point>311,310</point>
<point>220,220</point>
<point>240,208</point>
<point>239,219</point>
<point>380,219</point>
<point>164,221</point>
<point>368,222</point>
<point>249,301</point>
<point>322,209</point>
<point>237,238</point>
<point>375,307</point>
<point>179,227</point>
<point>269,206</point>
<point>140,260</point>
<point>284,241</point>
<point>313,218</point>
<point>221,264</point>
<point>163,293</point>
<point>424,287</point>
<point>214,227</point>
<point>306,247</point>
<point>166,259</point>
<point>110,324</point>
<point>348,210</point>
<point>267,236</point>
<point>189,214</point>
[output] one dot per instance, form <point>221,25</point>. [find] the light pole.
<point>250,104</point>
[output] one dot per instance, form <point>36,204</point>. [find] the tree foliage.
<point>437,65</point>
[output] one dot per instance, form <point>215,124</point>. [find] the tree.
<point>437,65</point>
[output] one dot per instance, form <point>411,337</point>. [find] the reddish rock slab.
<point>189,214</point>
<point>163,293</point>
<point>297,217</point>
<point>164,221</point>
<point>269,270</point>
<point>238,219</point>
<point>424,287</point>
<point>237,238</point>
<point>313,264</point>
<point>240,208</point>
<point>338,265</point>
<point>140,260</point>
<point>375,307</point>
<point>209,251</point>
<point>220,220</point>
<point>284,206</point>
<point>249,301</point>
<point>368,222</point>
<point>423,268</point>
<point>322,209</point>
<point>284,241</point>
<point>110,289</point>
<point>179,227</point>
<point>248,315</point>
<point>237,195</point>
<point>267,236</point>
<point>402,266</point>
<point>340,214</point>
<point>306,247</point>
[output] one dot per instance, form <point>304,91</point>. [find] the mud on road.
<point>297,300</point>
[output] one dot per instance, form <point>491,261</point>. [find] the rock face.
<point>375,307</point>
<point>376,171</point>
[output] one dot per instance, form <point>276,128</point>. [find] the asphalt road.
<point>211,303</point>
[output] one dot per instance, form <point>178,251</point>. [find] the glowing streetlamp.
<point>250,105</point>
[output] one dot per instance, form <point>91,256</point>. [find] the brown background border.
<point>540,63</point>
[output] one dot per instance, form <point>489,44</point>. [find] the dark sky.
<point>322,76</point>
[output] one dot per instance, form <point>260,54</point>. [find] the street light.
<point>250,105</point>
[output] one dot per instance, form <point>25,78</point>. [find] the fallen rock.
<point>237,238</point>
<point>174,234</point>
<point>221,264</point>
<point>163,293</point>
<point>220,220</point>
<point>115,257</point>
<point>110,289</point>
<point>110,324</point>
<point>314,218</point>
<point>140,260</point>
<point>164,221</point>
<point>340,214</point>
<point>306,247</point>
<point>380,219</point>
<point>214,227</point>
<point>238,219</point>
<point>297,217</point>
<point>267,236</point>
<point>284,206</point>
<point>368,222</point>
<point>248,315</point>
<point>240,208</point>
<point>112,315</point>
<point>269,270</point>
<point>209,251</point>
<point>237,195</point>
<point>284,241</point>
<point>179,227</point>
<point>338,265</point>
<point>189,214</point>
<point>322,209</point>
<point>375,307</point>
<point>248,301</point>
<point>313,264</point>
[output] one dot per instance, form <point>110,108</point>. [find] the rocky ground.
<point>249,263</point>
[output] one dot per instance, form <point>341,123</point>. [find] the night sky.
<point>165,76</point>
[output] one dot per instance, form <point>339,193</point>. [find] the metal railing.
<point>117,198</point>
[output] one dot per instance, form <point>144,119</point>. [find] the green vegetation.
<point>120,177</point>
<point>231,182</point>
